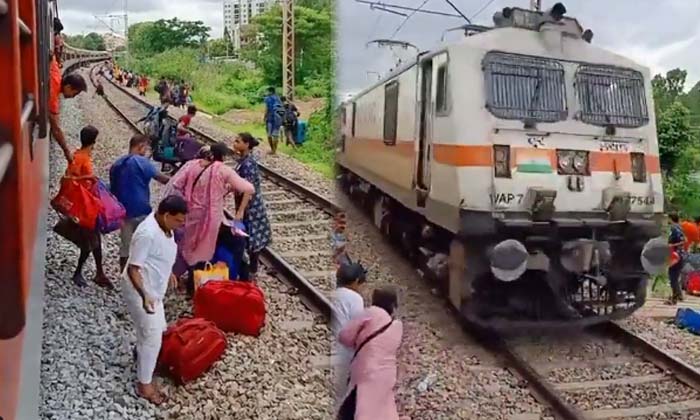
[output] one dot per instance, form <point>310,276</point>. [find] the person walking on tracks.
<point>129,180</point>
<point>348,303</point>
<point>204,183</point>
<point>144,284</point>
<point>69,86</point>
<point>291,122</point>
<point>676,241</point>
<point>274,112</point>
<point>375,336</point>
<point>250,207</point>
<point>81,170</point>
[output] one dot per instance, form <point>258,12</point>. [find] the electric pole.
<point>126,28</point>
<point>288,48</point>
<point>536,5</point>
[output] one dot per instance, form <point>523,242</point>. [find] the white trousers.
<point>149,331</point>
<point>340,371</point>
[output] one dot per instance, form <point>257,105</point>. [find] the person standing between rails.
<point>273,118</point>
<point>69,86</point>
<point>348,303</point>
<point>143,85</point>
<point>291,121</point>
<point>375,337</point>
<point>81,169</point>
<point>184,122</point>
<point>144,284</point>
<point>187,145</point>
<point>250,207</point>
<point>204,183</point>
<point>129,180</point>
<point>676,241</point>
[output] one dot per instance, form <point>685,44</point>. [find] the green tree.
<point>92,41</point>
<point>148,38</point>
<point>313,38</point>
<point>674,134</point>
<point>218,47</point>
<point>667,89</point>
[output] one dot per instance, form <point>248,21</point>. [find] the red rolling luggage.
<point>234,306</point>
<point>190,347</point>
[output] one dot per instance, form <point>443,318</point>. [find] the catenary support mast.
<point>288,48</point>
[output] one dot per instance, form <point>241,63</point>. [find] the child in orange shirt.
<point>81,169</point>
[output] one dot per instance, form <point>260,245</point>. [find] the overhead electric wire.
<point>380,5</point>
<point>407,18</point>
<point>488,3</point>
<point>458,11</point>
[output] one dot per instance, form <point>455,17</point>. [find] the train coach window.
<point>441,104</point>
<point>391,112</point>
<point>611,96</point>
<point>524,88</point>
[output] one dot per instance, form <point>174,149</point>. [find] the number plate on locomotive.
<point>614,146</point>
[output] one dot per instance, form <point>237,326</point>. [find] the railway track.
<point>602,372</point>
<point>300,218</point>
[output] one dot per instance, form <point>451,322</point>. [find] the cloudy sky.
<point>661,34</point>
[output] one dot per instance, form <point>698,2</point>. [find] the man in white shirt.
<point>144,283</point>
<point>348,303</point>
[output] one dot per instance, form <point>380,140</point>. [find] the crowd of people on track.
<point>161,248</point>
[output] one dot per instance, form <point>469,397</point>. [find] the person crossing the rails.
<point>143,85</point>
<point>144,284</point>
<point>204,183</point>
<point>375,336</point>
<point>69,86</point>
<point>129,180</point>
<point>81,169</point>
<point>291,122</point>
<point>250,207</point>
<point>348,303</point>
<point>187,145</point>
<point>273,118</point>
<point>676,241</point>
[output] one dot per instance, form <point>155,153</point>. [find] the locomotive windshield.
<point>533,88</point>
<point>520,87</point>
<point>611,96</point>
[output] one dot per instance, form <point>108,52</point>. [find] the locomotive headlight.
<point>581,163</point>
<point>639,167</point>
<point>501,161</point>
<point>572,162</point>
<point>565,161</point>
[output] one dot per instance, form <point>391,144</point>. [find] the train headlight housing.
<point>501,161</point>
<point>639,167</point>
<point>571,162</point>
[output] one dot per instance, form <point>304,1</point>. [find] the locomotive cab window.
<point>610,96</point>
<point>391,112</point>
<point>524,88</point>
<point>441,98</point>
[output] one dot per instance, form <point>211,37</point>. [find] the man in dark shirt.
<point>273,118</point>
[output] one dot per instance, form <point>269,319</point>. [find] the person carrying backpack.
<point>274,112</point>
<point>291,120</point>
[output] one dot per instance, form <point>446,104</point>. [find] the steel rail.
<point>324,203</point>
<point>311,297</point>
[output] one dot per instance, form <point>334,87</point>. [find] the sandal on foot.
<point>103,282</point>
<point>79,280</point>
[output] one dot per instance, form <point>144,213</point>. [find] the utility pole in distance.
<point>536,5</point>
<point>288,48</point>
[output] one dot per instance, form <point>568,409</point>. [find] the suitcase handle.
<point>195,323</point>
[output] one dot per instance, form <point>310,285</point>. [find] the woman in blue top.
<point>251,207</point>
<point>676,240</point>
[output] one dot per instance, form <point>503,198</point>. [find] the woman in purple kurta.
<point>375,337</point>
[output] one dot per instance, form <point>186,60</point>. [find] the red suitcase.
<point>234,306</point>
<point>693,283</point>
<point>190,347</point>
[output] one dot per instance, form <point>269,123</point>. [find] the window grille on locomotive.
<point>611,96</point>
<point>524,88</point>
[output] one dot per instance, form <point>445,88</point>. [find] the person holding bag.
<point>204,184</point>
<point>376,337</point>
<point>80,169</point>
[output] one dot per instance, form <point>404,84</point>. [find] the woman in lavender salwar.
<point>204,183</point>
